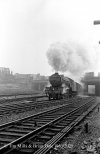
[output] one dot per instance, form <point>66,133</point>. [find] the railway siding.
<point>26,105</point>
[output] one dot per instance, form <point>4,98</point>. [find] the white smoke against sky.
<point>72,58</point>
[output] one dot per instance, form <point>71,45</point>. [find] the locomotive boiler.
<point>61,87</point>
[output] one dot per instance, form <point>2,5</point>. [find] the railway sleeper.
<point>55,129</point>
<point>64,124</point>
<point>49,133</point>
<point>5,140</point>
<point>23,128</point>
<point>10,133</point>
<point>28,124</point>
<point>18,131</point>
<point>44,137</point>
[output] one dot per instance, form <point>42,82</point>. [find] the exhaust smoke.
<point>71,58</point>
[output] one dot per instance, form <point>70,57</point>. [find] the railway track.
<point>5,99</point>
<point>23,106</point>
<point>39,133</point>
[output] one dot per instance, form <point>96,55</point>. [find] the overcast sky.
<point>28,27</point>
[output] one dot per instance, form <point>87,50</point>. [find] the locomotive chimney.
<point>56,72</point>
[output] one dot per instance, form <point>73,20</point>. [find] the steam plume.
<point>72,58</point>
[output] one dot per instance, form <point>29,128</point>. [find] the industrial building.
<point>91,84</point>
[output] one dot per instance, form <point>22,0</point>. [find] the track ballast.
<point>42,131</point>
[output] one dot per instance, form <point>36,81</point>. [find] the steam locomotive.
<point>61,87</point>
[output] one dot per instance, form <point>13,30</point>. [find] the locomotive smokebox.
<point>55,80</point>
